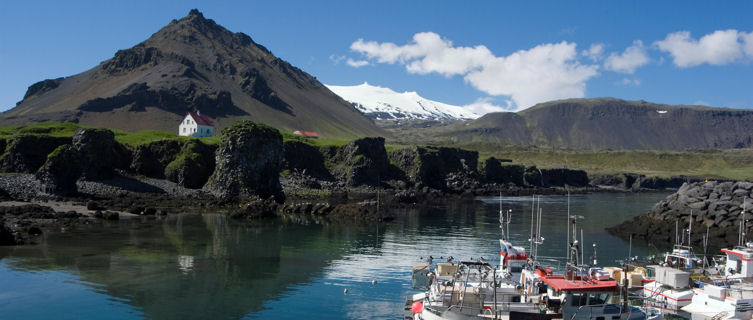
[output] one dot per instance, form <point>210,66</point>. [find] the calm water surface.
<point>192,266</point>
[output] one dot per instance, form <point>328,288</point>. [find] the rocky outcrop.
<point>99,153</point>
<point>430,167</point>
<point>714,204</point>
<point>151,159</point>
<point>60,172</point>
<point>364,162</point>
<point>304,159</point>
<point>247,162</point>
<point>637,182</point>
<point>26,153</point>
<point>493,171</point>
<point>561,177</point>
<point>192,166</point>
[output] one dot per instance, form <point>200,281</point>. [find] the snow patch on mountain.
<point>384,103</point>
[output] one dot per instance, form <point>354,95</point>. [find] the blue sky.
<point>505,54</point>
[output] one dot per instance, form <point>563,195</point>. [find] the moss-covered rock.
<point>26,153</point>
<point>248,162</point>
<point>100,154</point>
<point>305,159</point>
<point>60,172</point>
<point>364,162</point>
<point>427,166</point>
<point>192,166</point>
<point>151,159</point>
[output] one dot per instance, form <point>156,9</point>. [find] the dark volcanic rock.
<point>248,162</point>
<point>152,158</point>
<point>492,171</point>
<point>305,159</point>
<point>26,153</point>
<point>365,162</point>
<point>100,154</point>
<point>716,205</point>
<point>59,174</point>
<point>42,87</point>
<point>192,166</point>
<point>426,166</point>
<point>564,177</point>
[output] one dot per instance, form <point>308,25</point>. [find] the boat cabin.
<point>584,297</point>
<point>739,262</point>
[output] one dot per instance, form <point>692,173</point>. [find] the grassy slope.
<point>68,129</point>
<point>728,164</point>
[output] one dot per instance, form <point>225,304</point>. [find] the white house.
<point>196,125</point>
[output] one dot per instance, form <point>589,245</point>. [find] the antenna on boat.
<point>582,252</point>
<point>690,229</point>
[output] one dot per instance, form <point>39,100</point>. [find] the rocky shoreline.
<point>254,174</point>
<point>716,205</point>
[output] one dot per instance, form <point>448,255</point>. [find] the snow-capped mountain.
<point>384,103</point>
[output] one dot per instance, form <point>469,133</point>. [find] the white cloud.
<point>545,72</point>
<point>486,105</point>
<point>628,82</point>
<point>718,48</point>
<point>633,57</point>
<point>427,53</point>
<point>336,59</point>
<point>356,63</point>
<point>594,52</point>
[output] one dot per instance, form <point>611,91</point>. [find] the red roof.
<point>580,284</point>
<point>310,134</point>
<point>201,119</point>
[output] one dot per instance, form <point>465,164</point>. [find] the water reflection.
<point>206,266</point>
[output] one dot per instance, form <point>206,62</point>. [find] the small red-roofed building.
<point>307,134</point>
<point>197,125</point>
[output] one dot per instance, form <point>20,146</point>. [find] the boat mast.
<point>567,229</point>
<point>533,210</point>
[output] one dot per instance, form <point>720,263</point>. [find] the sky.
<point>485,55</point>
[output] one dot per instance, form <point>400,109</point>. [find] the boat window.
<point>578,299</point>
<point>597,298</point>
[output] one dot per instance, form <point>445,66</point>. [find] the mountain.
<point>382,103</point>
<point>192,64</point>
<point>605,123</point>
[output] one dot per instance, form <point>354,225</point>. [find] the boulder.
<point>192,166</point>
<point>60,172</point>
<point>247,162</point>
<point>100,154</point>
<point>27,153</point>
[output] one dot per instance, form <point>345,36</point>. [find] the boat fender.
<point>417,307</point>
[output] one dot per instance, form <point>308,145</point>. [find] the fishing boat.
<point>729,295</point>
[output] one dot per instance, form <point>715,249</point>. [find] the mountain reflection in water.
<point>193,266</point>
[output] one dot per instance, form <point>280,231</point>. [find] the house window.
<point>184,130</point>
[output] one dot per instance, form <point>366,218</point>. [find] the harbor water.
<point>206,266</point>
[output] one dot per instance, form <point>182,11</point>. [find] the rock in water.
<point>248,162</point>
<point>59,174</point>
